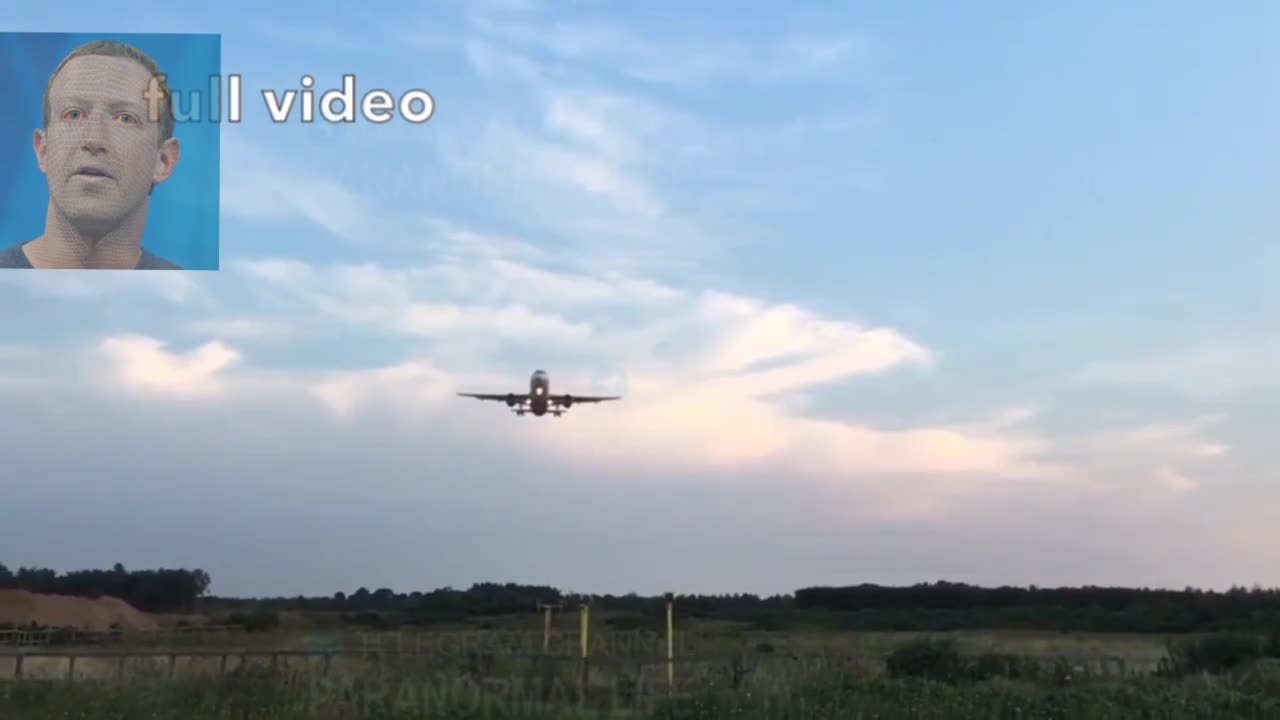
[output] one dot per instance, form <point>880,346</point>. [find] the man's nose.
<point>95,136</point>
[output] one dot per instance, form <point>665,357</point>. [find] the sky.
<point>895,293</point>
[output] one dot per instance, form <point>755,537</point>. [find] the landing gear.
<point>557,413</point>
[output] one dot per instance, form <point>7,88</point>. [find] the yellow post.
<point>671,645</point>
<point>584,632</point>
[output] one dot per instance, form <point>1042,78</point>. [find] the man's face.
<point>100,152</point>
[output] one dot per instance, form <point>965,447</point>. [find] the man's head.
<point>108,133</point>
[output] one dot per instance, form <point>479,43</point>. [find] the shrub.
<point>999,665</point>
<point>1211,654</point>
<point>928,658</point>
<point>631,622</point>
<point>256,621</point>
<point>769,622</point>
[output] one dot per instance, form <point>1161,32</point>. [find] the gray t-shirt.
<point>14,258</point>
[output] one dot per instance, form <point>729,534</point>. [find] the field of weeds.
<point>951,677</point>
<point>818,697</point>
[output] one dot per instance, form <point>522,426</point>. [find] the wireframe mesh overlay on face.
<point>103,175</point>
<point>102,145</point>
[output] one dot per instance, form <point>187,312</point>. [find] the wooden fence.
<point>628,643</point>
<point>237,660</point>
<point>150,636</point>
<point>240,660</point>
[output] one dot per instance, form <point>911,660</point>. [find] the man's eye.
<point>71,115</point>
<point>128,118</point>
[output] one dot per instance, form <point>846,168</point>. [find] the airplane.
<point>539,398</point>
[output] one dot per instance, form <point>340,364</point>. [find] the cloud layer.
<point>610,199</point>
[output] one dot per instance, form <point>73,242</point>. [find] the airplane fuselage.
<point>539,389</point>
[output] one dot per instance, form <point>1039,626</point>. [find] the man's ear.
<point>167,160</point>
<point>38,141</point>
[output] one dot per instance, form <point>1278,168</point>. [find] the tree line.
<point>936,606</point>
<point>922,607</point>
<point>157,591</point>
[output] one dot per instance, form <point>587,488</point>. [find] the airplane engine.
<point>511,400</point>
<point>568,400</point>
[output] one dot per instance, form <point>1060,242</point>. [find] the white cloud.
<point>144,364</point>
<point>173,287</point>
<point>705,375</point>
<point>713,405</point>
<point>513,321</point>
<point>1183,439</point>
<point>761,332</point>
<point>413,387</point>
<point>1153,461</point>
<point>812,53</point>
<point>1176,481</point>
<point>608,288</point>
<point>684,57</point>
<point>571,179</point>
<point>1206,372</point>
<point>239,327</point>
<point>610,169</point>
<point>407,301</point>
<point>492,63</point>
<point>266,189</point>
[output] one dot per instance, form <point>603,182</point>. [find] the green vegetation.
<point>888,699</point>
<point>973,688</point>
<point>1213,676</point>
<point>931,650</point>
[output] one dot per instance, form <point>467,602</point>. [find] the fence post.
<point>671,645</point>
<point>585,636</point>
<point>71,668</point>
<point>546,624</point>
<point>17,665</point>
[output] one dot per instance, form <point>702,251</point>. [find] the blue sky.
<point>895,294</point>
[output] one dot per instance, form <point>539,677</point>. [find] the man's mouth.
<point>92,172</point>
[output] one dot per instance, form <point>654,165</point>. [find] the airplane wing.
<point>575,399</point>
<point>519,397</point>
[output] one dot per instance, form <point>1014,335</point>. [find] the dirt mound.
<point>19,607</point>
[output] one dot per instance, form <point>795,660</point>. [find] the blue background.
<point>183,223</point>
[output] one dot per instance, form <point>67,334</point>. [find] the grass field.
<point>747,674</point>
